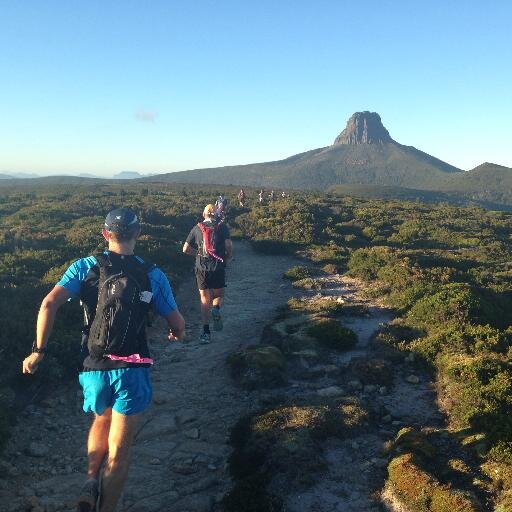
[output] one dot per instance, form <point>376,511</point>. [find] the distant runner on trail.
<point>260,197</point>
<point>271,195</point>
<point>117,290</point>
<point>210,242</point>
<point>241,197</point>
<point>221,207</point>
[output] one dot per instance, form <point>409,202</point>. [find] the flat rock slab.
<point>157,503</point>
<point>160,425</point>
<point>149,450</point>
<point>331,391</point>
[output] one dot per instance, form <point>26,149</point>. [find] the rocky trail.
<point>357,466</point>
<point>181,450</point>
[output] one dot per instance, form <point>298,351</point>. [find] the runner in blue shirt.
<point>117,289</point>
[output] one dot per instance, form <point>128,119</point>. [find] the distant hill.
<point>48,181</point>
<point>364,153</point>
<point>388,192</point>
<point>89,175</point>
<point>17,175</point>
<point>487,176</point>
<point>127,175</point>
<point>487,182</point>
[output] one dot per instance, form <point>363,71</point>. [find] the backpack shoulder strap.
<point>147,267</point>
<point>213,227</point>
<point>143,267</point>
<point>103,260</point>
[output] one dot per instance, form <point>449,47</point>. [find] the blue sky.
<point>162,85</point>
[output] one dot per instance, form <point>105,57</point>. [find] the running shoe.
<point>205,338</point>
<point>88,496</point>
<point>217,320</point>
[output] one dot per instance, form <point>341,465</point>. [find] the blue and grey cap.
<point>122,220</point>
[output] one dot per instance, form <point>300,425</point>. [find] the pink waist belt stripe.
<point>133,358</point>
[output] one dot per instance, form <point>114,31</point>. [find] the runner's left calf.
<point>217,320</point>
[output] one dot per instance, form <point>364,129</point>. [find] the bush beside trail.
<point>419,491</point>
<point>331,334</point>
<point>284,443</point>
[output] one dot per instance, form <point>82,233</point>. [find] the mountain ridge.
<point>364,153</point>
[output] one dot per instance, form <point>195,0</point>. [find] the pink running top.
<point>133,358</point>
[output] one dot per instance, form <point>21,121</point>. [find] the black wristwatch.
<point>36,349</point>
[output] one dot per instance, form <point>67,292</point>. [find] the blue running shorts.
<point>127,390</point>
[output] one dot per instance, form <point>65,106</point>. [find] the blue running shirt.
<point>163,298</point>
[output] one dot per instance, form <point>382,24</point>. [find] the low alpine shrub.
<point>331,334</point>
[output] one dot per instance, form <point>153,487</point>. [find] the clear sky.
<point>103,86</point>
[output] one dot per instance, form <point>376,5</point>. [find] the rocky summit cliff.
<point>364,128</point>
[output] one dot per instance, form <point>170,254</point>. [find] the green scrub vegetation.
<point>445,270</point>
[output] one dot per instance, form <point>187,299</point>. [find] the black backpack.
<point>116,309</point>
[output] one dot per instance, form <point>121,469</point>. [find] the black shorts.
<point>211,279</point>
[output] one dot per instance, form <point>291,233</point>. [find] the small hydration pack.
<point>209,239</point>
<point>117,323</point>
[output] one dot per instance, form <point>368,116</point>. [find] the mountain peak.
<point>364,128</point>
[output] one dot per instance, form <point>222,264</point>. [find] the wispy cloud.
<point>146,116</point>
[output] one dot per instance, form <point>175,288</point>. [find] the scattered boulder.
<point>318,304</point>
<point>409,439</point>
<point>330,391</point>
<point>410,357</point>
<point>37,449</point>
<point>186,416</point>
<point>184,468</point>
<point>192,433</point>
<point>308,284</point>
<point>159,399</point>
<point>160,425</point>
<point>331,369</point>
<point>155,502</point>
<point>477,443</point>
<point>355,384</point>
<point>310,356</point>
